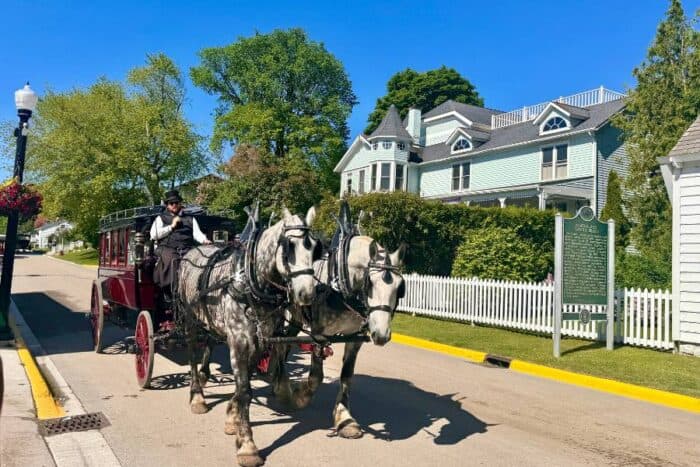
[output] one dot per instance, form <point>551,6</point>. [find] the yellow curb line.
<point>472,355</point>
<point>46,406</point>
<point>656,396</point>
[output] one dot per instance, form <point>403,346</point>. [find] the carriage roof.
<point>143,216</point>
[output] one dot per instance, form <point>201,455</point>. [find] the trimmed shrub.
<point>639,271</point>
<point>433,230</point>
<point>499,253</point>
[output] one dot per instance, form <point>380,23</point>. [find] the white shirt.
<point>160,231</point>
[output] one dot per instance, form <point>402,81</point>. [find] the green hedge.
<point>433,230</point>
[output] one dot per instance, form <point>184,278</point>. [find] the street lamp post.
<point>25,101</point>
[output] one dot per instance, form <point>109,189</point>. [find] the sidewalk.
<point>20,442</point>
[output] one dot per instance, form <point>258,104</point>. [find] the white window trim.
<point>554,145</point>
<point>461,176</point>
<point>558,130</point>
<point>405,176</point>
<point>461,151</point>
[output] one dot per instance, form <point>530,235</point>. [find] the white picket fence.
<point>643,316</point>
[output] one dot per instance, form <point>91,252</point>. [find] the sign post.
<point>584,268</point>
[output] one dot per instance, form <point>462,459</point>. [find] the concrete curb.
<point>642,393</point>
<point>86,266</point>
<point>84,448</point>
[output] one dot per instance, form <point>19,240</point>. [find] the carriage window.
<point>121,255</point>
<point>130,251</point>
<point>104,249</point>
<point>113,246</point>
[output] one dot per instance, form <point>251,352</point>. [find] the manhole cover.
<point>88,421</point>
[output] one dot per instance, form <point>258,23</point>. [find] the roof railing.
<point>599,95</point>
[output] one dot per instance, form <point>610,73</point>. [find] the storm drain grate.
<point>88,421</point>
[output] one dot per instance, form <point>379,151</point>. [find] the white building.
<point>681,172</point>
<point>42,237</point>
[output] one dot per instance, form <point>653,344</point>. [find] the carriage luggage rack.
<point>73,423</point>
<point>149,211</point>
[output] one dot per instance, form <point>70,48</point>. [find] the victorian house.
<point>555,154</point>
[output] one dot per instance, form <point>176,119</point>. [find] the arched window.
<point>401,146</point>
<point>462,144</point>
<point>554,123</point>
<point>386,144</point>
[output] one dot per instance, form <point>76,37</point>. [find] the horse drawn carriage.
<point>124,291</point>
<point>277,286</point>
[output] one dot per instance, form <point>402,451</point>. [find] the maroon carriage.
<point>124,291</point>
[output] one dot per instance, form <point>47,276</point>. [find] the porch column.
<point>543,200</point>
<point>468,202</point>
<point>503,202</point>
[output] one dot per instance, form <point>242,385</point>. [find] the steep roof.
<point>689,142</point>
<point>475,114</point>
<point>526,132</point>
<point>391,125</point>
<point>576,112</point>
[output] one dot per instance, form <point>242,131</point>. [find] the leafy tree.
<point>423,90</point>
<point>255,175</point>
<point>664,103</point>
<point>281,92</point>
<point>613,210</point>
<point>168,148</point>
<point>104,148</point>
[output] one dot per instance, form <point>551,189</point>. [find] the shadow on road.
<point>388,409</point>
<point>49,320</point>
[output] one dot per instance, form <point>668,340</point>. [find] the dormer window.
<point>462,144</point>
<point>401,146</point>
<point>386,144</point>
<point>554,123</point>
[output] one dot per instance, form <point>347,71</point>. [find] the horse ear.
<point>310,215</point>
<point>373,250</point>
<point>285,213</point>
<point>398,256</point>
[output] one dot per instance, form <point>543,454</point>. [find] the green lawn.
<point>655,369</point>
<point>87,257</point>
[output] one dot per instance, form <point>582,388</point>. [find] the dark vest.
<point>182,236</point>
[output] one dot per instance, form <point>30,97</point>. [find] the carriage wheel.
<point>145,348</point>
<point>97,316</point>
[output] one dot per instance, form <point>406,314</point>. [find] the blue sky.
<point>515,52</point>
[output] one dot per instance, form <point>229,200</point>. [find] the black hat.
<point>172,196</point>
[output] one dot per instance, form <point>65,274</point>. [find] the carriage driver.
<point>176,233</point>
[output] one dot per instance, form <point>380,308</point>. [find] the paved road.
<point>417,407</point>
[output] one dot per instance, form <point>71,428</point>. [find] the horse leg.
<point>204,370</point>
<point>281,386</point>
<point>343,421</point>
<point>197,404</point>
<point>305,392</point>
<point>238,410</point>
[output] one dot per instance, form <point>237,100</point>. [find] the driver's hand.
<point>207,242</point>
<point>176,221</point>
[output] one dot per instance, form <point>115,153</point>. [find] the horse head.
<point>295,253</point>
<point>376,273</point>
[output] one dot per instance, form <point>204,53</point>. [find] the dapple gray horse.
<point>283,260</point>
<point>375,281</point>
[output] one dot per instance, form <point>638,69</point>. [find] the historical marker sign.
<point>584,272</point>
<point>585,279</point>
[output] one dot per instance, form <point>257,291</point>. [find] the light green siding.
<point>517,166</point>
<point>413,179</point>
<point>439,132</point>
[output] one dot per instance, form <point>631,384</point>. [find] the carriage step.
<point>85,422</point>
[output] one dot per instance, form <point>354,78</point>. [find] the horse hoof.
<point>199,408</point>
<point>350,431</point>
<point>230,429</point>
<point>250,460</point>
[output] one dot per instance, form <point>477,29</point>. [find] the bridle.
<point>258,291</point>
<point>358,301</point>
